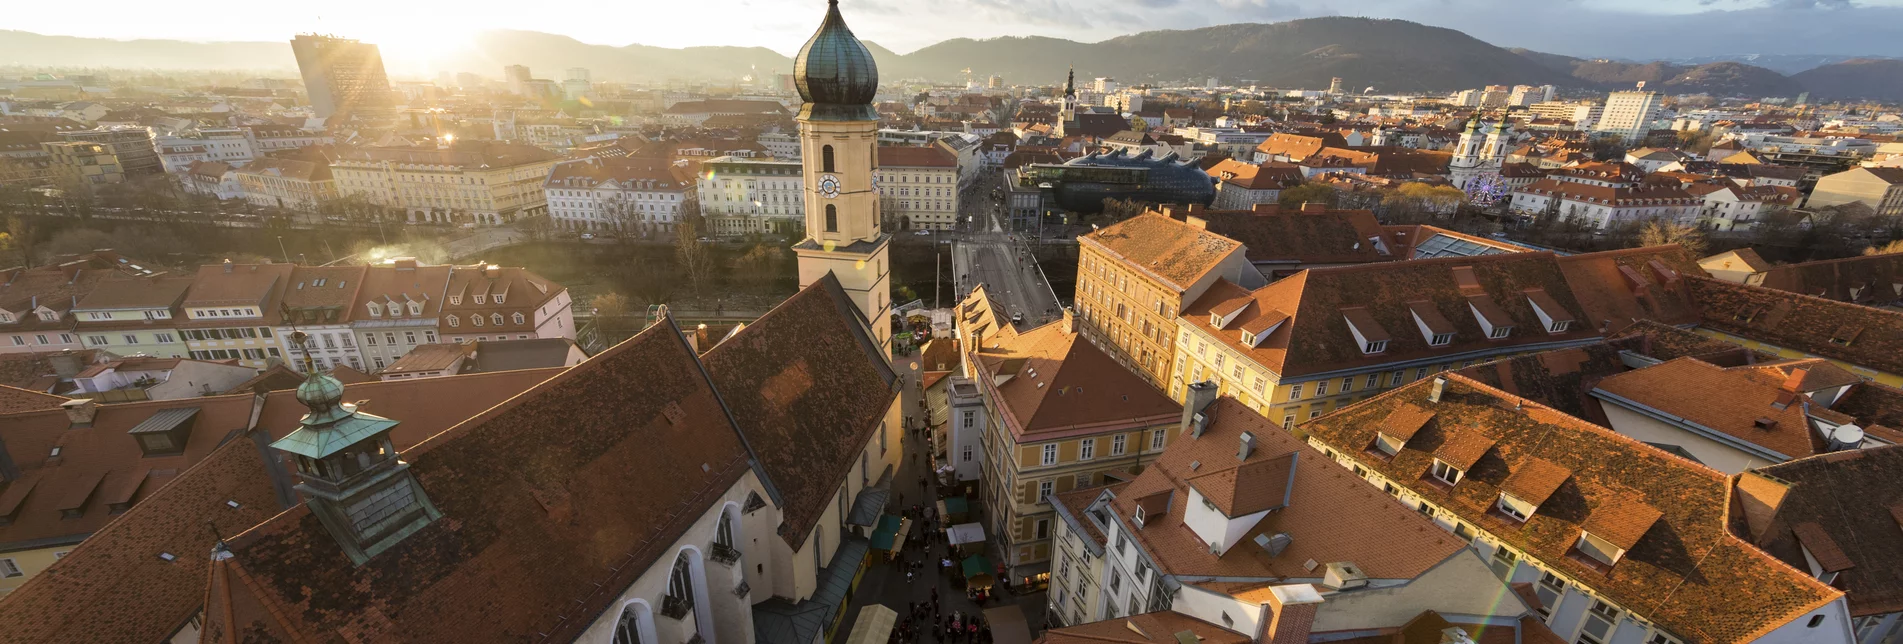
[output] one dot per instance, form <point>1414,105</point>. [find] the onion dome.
<point>836,75</point>
<point>324,395</point>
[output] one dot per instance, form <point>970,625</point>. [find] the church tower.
<point>839,146</point>
<point>1480,152</point>
<point>1067,110</point>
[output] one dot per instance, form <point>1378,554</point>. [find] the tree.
<point>1293,198</point>
<point>1892,247</point>
<point>1414,201</point>
<point>1115,210</point>
<point>1660,233</point>
<point>610,305</point>
<point>20,238</point>
<point>691,255</point>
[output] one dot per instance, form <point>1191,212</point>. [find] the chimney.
<point>1266,208</point>
<point>1795,380</point>
<point>1759,495</point>
<point>1197,222</point>
<point>492,271</point>
<point>1440,386</point>
<point>1248,446</point>
<point>1199,396</point>
<point>408,263</point>
<point>1195,209</point>
<point>1344,575</point>
<point>1070,321</point>
<point>66,364</point>
<point>1310,206</point>
<point>1291,615</point>
<point>80,411</point>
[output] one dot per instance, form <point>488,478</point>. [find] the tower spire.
<point>1070,82</point>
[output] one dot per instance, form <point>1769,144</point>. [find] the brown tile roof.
<point>1179,253</point>
<point>1876,280</point>
<point>1872,403</point>
<point>1316,338</point>
<point>1867,534</point>
<point>1254,486</point>
<point>523,290</point>
<point>1620,287</point>
<point>808,387</point>
<point>1060,383</point>
<point>403,282</point>
<point>1296,146</point>
<point>618,465</point>
<point>1688,574</point>
<point>428,357</point>
<point>1272,175</point>
<point>1688,388</point>
<point>1147,628</point>
<point>136,292</point>
<point>1331,515</point>
<point>244,284</point>
<point>1802,322</point>
<point>1330,237</point>
<point>15,399</point>
<point>323,294</point>
<point>273,378</point>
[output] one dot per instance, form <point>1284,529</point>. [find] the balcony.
<point>723,554</point>
<point>676,607</point>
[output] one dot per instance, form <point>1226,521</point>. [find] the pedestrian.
<point>908,575</point>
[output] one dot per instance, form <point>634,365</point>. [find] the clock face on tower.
<point>828,186</point>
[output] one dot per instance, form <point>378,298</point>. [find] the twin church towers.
<point>839,148</point>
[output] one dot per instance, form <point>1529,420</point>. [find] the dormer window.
<point>376,311</point>
<point>1372,348</point>
<point>1499,332</point>
<point>1598,549</point>
<point>1445,472</point>
<point>1138,517</point>
<point>1559,326</point>
<point>1386,444</point>
<point>416,308</point>
<point>1440,339</point>
<point>1515,508</point>
<point>1215,320</point>
<point>456,300</point>
<point>1248,338</point>
<point>49,316</point>
<point>1433,327</point>
<point>479,298</point>
<point>453,320</point>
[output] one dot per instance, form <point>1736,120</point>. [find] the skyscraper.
<point>1628,115</point>
<point>839,147</point>
<point>343,77</point>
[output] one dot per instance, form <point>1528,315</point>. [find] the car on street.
<point>1017,319</point>
<point>587,236</point>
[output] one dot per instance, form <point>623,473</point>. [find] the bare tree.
<point>610,305</point>
<point>693,257</point>
<point>1661,233</point>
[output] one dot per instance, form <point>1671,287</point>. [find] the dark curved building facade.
<point>1080,185</point>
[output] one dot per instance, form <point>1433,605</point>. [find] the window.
<point>1420,373</point>
<point>1315,413</point>
<point>1514,507</point>
<point>8,568</point>
<point>1560,326</point>
<point>1550,589</point>
<point>162,338</point>
<point>1116,580</point>
<point>1394,379</point>
<point>832,218</point>
<point>1156,439</point>
<point>1374,380</point>
<point>473,319</point>
<point>1503,562</point>
<point>1440,339</point>
<point>1815,621</point>
<point>96,339</point>
<point>1347,384</point>
<point>1087,449</point>
<point>1116,445</point>
<point>1599,622</point>
<point>967,454</point>
<point>371,338</point>
<point>1288,422</point>
<point>1321,388</point>
<point>826,160</point>
<point>1295,392</point>
<point>1500,332</point>
<point>1375,347</point>
<point>496,318</point>
<point>1050,454</point>
<point>1388,444</point>
<point>1445,473</point>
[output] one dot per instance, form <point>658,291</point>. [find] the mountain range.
<point>1386,55</point>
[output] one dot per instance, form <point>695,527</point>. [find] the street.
<point>884,582</point>
<point>1001,261</point>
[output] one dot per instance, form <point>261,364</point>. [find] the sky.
<point>415,31</point>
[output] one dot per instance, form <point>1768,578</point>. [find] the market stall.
<point>874,625</point>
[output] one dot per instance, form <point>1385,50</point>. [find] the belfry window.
<point>832,217</point>
<point>826,159</point>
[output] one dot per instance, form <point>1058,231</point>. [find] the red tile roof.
<point>1331,514</point>
<point>1863,539</point>
<point>808,387</point>
<point>584,468</point>
<point>15,399</point>
<point>1687,388</point>
<point>1060,384</point>
<point>1175,251</point>
<point>1684,571</point>
<point>1803,323</point>
<point>1329,237</point>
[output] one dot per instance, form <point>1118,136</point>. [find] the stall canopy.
<point>874,625</point>
<point>890,535</point>
<point>977,572</point>
<point>964,533</point>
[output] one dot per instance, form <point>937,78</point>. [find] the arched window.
<point>628,625</point>
<point>832,219</point>
<point>680,583</point>
<point>826,159</point>
<point>723,533</point>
